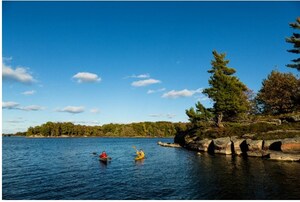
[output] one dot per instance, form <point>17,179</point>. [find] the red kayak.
<point>105,160</point>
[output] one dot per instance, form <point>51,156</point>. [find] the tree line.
<point>233,100</point>
<point>142,129</point>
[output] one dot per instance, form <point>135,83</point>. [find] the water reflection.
<point>234,177</point>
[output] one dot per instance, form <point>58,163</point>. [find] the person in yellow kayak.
<point>140,154</point>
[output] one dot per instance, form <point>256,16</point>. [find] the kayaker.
<point>103,155</point>
<point>140,153</point>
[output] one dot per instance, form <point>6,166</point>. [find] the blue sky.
<point>119,62</point>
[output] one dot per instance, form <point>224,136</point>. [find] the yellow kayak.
<point>139,158</point>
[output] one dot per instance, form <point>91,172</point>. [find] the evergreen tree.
<point>295,40</point>
<point>279,93</point>
<point>201,113</point>
<point>227,91</point>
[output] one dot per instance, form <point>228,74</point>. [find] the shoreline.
<point>31,137</point>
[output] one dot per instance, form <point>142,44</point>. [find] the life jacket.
<point>103,155</point>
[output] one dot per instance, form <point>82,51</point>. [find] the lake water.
<point>66,168</point>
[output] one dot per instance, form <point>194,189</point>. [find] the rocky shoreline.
<point>168,144</point>
<point>287,149</point>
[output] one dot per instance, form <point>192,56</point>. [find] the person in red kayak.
<point>103,155</point>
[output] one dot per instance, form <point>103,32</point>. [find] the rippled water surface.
<point>66,168</point>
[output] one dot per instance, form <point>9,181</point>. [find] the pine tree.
<point>295,40</point>
<point>227,91</point>
<point>201,114</point>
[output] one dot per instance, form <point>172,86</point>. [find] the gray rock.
<point>168,144</point>
<point>189,139</point>
<point>291,145</point>
<point>203,144</point>
<point>222,145</point>
<point>255,153</point>
<point>284,156</point>
<point>249,135</point>
<point>254,145</point>
<point>237,142</point>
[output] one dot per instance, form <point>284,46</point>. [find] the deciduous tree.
<point>279,93</point>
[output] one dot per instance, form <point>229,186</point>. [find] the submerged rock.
<point>222,145</point>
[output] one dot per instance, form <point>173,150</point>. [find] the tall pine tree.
<point>226,90</point>
<point>295,40</point>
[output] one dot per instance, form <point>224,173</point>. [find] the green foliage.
<point>227,91</point>
<point>201,114</point>
<point>295,40</point>
<point>143,129</point>
<point>260,130</point>
<point>279,93</point>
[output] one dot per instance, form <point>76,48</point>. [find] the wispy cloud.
<point>86,77</point>
<point>86,122</point>
<point>10,105</point>
<point>202,98</point>
<point>7,59</point>
<point>31,92</point>
<point>32,108</point>
<point>14,121</point>
<point>19,74</point>
<point>169,116</point>
<point>95,111</point>
<point>15,105</point>
<point>155,115</point>
<point>140,76</point>
<point>145,82</point>
<point>155,91</point>
<point>182,93</point>
<point>72,109</point>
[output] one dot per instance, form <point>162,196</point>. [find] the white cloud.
<point>140,76</point>
<point>155,115</point>
<point>202,98</point>
<point>19,74</point>
<point>31,92</point>
<point>7,59</point>
<point>95,111</point>
<point>86,122</point>
<point>31,108</point>
<point>86,77</point>
<point>155,91</point>
<point>10,105</point>
<point>169,116</point>
<point>14,105</point>
<point>181,93</point>
<point>72,109</point>
<point>145,82</point>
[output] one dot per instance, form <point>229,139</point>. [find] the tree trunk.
<point>219,120</point>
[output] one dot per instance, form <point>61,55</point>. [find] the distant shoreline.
<point>38,137</point>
